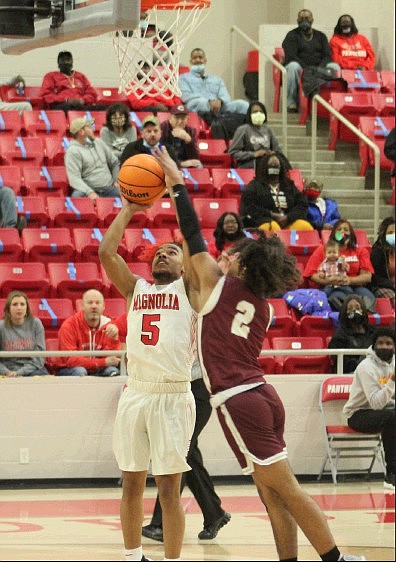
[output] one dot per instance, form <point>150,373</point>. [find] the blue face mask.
<point>197,68</point>
<point>390,239</point>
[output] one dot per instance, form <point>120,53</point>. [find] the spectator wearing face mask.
<point>304,46</point>
<point>322,212</point>
<point>118,131</point>
<point>383,261</point>
<point>254,138</point>
<point>68,89</point>
<point>91,167</point>
<point>349,48</point>
<point>271,201</point>
<point>371,405</point>
<point>353,332</point>
<point>358,259</point>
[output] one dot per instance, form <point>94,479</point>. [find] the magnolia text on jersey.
<point>156,301</point>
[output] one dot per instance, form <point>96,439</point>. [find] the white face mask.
<point>258,118</point>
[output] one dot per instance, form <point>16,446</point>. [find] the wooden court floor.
<point>82,524</point>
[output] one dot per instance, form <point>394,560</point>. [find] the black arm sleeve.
<point>189,224</point>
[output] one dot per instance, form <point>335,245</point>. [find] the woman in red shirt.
<point>349,48</point>
<point>358,259</point>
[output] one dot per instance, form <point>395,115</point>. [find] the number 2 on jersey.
<point>150,331</point>
<point>244,316</point>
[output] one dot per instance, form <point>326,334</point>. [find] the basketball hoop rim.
<point>173,5</point>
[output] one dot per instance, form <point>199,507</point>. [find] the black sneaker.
<point>389,482</point>
<point>145,558</point>
<point>211,531</point>
<point>21,223</point>
<point>153,532</point>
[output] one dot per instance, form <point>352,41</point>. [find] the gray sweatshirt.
<point>372,387</point>
<point>91,167</point>
<point>27,336</point>
<point>117,143</point>
<point>250,138</point>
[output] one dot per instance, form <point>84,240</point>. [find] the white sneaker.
<point>352,558</point>
<point>389,482</point>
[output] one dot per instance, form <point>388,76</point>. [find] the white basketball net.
<point>149,58</point>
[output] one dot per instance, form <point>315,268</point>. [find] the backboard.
<point>83,18</point>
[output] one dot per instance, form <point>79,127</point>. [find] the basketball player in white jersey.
<point>233,319</point>
<point>156,412</point>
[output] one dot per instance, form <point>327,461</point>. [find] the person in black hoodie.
<point>383,260</point>
<point>271,200</point>
<point>354,331</point>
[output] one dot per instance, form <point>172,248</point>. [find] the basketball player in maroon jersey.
<point>232,323</point>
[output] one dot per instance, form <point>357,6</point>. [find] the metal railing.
<point>339,352</point>
<point>273,61</point>
<point>318,99</point>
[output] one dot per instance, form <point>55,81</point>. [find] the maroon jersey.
<point>232,326</point>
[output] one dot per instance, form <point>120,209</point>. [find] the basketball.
<point>141,179</point>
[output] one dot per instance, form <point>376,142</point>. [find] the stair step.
<point>335,183</point>
<point>327,168</point>
<point>305,154</point>
<point>363,211</point>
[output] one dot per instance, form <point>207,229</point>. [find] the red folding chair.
<point>283,323</point>
<point>72,212</point>
<point>376,129</point>
<point>320,326</point>
<point>10,123</point>
<point>86,243</point>
<point>209,210</point>
<point>359,80</point>
<point>55,148</point>
<point>267,363</point>
<point>300,364</point>
<point>388,81</point>
<point>162,214</point>
<point>20,150</point>
<point>51,344</point>
<point>44,245</point>
<point>384,314</point>
<point>107,208</point>
<point>295,174</point>
<point>70,279</point>
<point>109,95</point>
<point>42,122</point>
<point>51,312</point>
<point>231,182</point>
<point>352,105</point>
<point>300,243</point>
<point>142,244</point>
<point>198,182</point>
<point>342,442</point>
<point>384,104</point>
<point>212,153</point>
<point>98,116</point>
<point>11,176</point>
<point>30,94</point>
<point>11,249</point>
<point>45,181</point>
<point>33,208</point>
<point>279,55</point>
<point>30,277</point>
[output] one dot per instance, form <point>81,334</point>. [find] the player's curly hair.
<point>266,267</point>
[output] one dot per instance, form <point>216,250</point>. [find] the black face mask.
<point>384,354</point>
<point>305,25</point>
<point>356,316</point>
<point>65,68</point>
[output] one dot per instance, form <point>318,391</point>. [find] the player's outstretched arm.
<point>205,271</point>
<point>115,266</point>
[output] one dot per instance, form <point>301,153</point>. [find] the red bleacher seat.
<point>351,105</point>
<point>44,122</point>
<point>384,314</point>
<point>359,80</point>
<point>71,279</point>
<point>11,249</point>
<point>376,129</point>
<point>361,237</point>
<point>44,245</point>
<point>98,116</point>
<point>300,243</point>
<point>384,104</point>
<point>86,243</point>
<point>55,148</point>
<point>34,209</point>
<point>320,326</point>
<point>45,180</point>
<point>388,81</point>
<point>71,212</point>
<point>51,312</point>
<point>107,208</point>
<point>51,343</point>
<point>198,182</point>
<point>162,214</point>
<point>19,150</point>
<point>301,364</point>
<point>110,95</point>
<point>29,277</point>
<point>11,177</point>
<point>295,174</point>
<point>212,153</point>
<point>279,55</point>
<point>10,123</point>
<point>30,94</point>
<point>325,91</point>
<point>209,210</point>
<point>267,363</point>
<point>206,233</point>
<point>141,269</point>
<point>142,243</point>
<point>114,306</point>
<point>230,182</point>
<point>282,324</point>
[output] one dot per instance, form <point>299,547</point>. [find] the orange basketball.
<point>141,179</point>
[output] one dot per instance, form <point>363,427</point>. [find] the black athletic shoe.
<point>145,559</point>
<point>153,532</point>
<point>211,531</point>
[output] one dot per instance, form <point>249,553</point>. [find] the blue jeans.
<point>107,192</point>
<point>293,70</point>
<point>8,212</point>
<point>108,371</point>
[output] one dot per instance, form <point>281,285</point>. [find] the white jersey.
<point>161,337</point>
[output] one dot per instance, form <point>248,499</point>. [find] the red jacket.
<point>352,52</point>
<point>58,87</point>
<point>75,334</point>
<point>139,104</point>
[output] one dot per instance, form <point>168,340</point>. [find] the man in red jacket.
<point>86,330</point>
<point>68,89</point>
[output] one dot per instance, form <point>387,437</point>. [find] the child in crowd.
<point>335,268</point>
